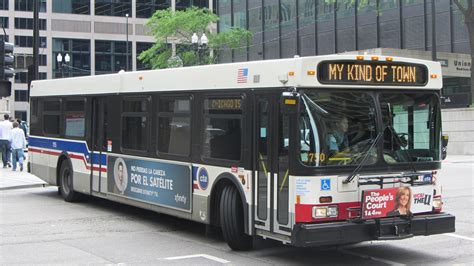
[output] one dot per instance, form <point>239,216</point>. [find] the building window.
<point>72,6</point>
<point>174,126</point>
<point>142,46</point>
<point>146,8</point>
<point>21,115</point>
<point>135,123</point>
<point>27,5</point>
<point>23,61</point>
<point>4,22</point>
<point>110,56</point>
<point>27,41</point>
<point>4,5</point>
<point>117,8</point>
<point>21,96</point>
<point>43,60</point>
<point>80,57</point>
<point>183,4</point>
<point>22,77</point>
<point>27,23</point>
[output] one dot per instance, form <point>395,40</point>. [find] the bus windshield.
<point>336,128</point>
<point>412,123</point>
<point>339,128</point>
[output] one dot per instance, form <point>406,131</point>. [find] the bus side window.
<point>75,118</point>
<point>35,126</point>
<point>135,123</point>
<point>52,117</point>
<point>174,126</point>
<point>222,128</point>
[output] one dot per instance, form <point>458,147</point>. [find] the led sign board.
<point>372,73</point>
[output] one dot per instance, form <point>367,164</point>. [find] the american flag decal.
<point>242,75</point>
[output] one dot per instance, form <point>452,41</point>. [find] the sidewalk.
<point>17,179</point>
<point>459,159</point>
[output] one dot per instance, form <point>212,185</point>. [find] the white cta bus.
<point>307,151</point>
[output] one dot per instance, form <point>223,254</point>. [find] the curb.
<point>23,186</point>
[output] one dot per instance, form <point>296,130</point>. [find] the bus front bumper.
<point>307,235</point>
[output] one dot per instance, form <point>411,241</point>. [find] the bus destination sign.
<point>372,73</point>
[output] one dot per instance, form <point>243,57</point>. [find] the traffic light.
<point>6,68</point>
<point>7,60</point>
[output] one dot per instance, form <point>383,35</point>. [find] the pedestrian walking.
<point>18,144</point>
<point>5,147</point>
<point>22,125</point>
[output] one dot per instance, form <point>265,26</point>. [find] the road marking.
<point>389,262</point>
<point>209,257</point>
<point>459,236</point>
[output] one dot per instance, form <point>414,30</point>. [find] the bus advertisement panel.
<point>160,183</point>
<point>390,202</point>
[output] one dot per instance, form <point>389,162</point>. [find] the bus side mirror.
<point>289,102</point>
<point>444,146</point>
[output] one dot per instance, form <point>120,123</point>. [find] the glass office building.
<point>285,28</point>
<point>92,33</point>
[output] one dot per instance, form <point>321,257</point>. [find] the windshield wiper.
<point>399,142</point>
<point>361,164</point>
<point>314,105</point>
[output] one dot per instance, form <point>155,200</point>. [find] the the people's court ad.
<point>390,202</point>
<point>151,181</point>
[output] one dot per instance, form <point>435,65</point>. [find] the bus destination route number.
<point>372,73</point>
<point>225,104</point>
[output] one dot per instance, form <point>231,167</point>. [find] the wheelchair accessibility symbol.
<point>325,184</point>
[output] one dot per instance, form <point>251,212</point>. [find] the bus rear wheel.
<point>232,220</point>
<point>66,184</point>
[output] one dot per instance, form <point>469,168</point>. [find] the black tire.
<point>65,183</point>
<point>232,220</point>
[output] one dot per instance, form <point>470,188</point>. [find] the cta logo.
<point>203,178</point>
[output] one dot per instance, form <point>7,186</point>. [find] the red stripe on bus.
<point>304,212</point>
<point>72,155</point>
<point>43,151</point>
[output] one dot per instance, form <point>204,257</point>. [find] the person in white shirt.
<point>5,129</point>
<point>18,142</point>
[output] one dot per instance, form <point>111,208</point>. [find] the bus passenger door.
<point>99,145</point>
<point>271,173</point>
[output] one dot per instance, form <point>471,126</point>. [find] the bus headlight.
<point>324,211</point>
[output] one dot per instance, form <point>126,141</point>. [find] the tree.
<point>467,10</point>
<point>179,27</point>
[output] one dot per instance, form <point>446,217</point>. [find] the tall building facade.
<point>90,37</point>
<point>285,28</point>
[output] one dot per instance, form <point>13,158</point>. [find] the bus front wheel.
<point>66,185</point>
<point>232,220</point>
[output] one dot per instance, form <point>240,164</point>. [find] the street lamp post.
<point>199,45</point>
<point>59,60</point>
<point>126,45</point>
<point>63,62</point>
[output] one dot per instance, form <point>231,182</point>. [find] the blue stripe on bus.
<point>65,145</point>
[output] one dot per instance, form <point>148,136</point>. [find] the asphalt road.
<point>38,227</point>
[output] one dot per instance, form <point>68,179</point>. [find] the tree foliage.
<point>178,26</point>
